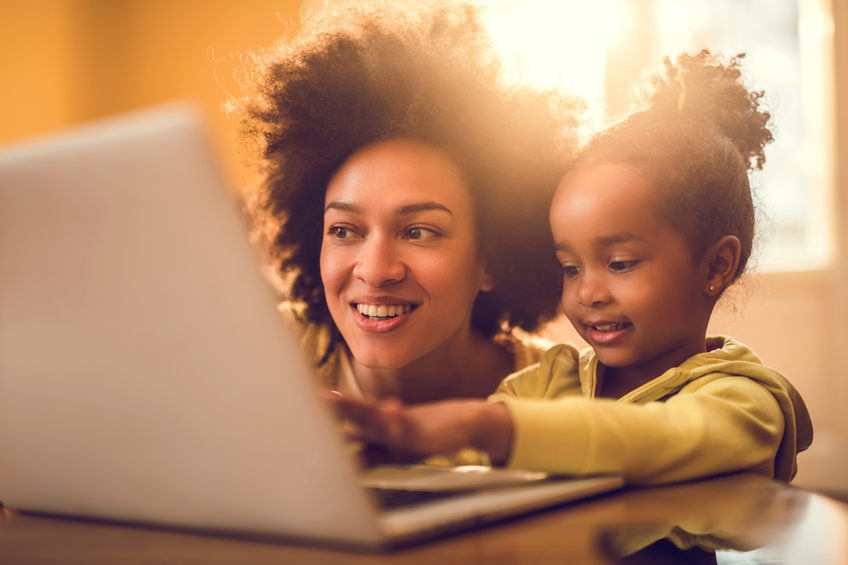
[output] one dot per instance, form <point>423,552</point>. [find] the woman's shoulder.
<point>527,349</point>
<point>556,374</point>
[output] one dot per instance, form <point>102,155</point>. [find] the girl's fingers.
<point>381,423</point>
<point>331,397</point>
<point>346,407</point>
<point>361,419</point>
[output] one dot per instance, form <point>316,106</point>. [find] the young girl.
<point>651,224</point>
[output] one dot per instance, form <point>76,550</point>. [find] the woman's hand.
<point>428,429</point>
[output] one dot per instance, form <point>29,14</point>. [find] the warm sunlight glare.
<point>556,42</point>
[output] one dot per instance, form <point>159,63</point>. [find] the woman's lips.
<point>383,310</point>
<point>381,321</point>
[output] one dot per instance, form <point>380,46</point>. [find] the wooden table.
<point>746,512</point>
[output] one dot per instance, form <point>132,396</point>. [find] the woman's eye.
<point>419,233</point>
<point>622,265</point>
<point>340,232</point>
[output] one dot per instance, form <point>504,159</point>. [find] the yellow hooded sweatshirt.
<point>718,412</point>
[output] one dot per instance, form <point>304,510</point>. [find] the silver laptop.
<point>147,377</point>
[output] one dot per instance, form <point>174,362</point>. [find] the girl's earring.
<point>712,288</point>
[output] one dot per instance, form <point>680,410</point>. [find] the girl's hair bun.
<point>696,133</point>
<point>703,87</point>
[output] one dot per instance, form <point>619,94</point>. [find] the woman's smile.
<point>381,312</point>
<point>381,318</point>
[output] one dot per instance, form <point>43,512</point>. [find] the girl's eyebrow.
<point>605,240</point>
<point>625,237</point>
<point>402,211</point>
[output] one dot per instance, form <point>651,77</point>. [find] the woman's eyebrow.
<point>344,207</point>
<point>402,211</point>
<point>422,207</point>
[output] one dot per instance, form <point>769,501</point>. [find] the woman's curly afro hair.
<point>359,75</point>
<point>696,134</point>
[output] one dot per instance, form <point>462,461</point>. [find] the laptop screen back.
<point>145,373</point>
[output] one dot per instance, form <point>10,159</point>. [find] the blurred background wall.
<point>63,62</point>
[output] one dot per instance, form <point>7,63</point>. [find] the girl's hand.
<point>428,429</point>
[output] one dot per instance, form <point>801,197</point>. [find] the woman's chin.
<point>383,358</point>
<point>383,362</point>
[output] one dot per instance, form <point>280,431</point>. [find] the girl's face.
<point>632,288</point>
<point>399,258</point>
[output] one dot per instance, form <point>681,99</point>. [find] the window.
<point>596,49</point>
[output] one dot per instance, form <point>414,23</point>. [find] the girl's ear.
<point>723,260</point>
<point>486,282</point>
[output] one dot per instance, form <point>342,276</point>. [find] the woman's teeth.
<point>381,311</point>
<point>610,327</point>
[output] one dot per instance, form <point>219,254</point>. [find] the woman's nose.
<point>379,262</point>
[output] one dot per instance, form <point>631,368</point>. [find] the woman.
<point>404,197</point>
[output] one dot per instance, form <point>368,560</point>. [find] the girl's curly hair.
<point>359,75</point>
<point>696,133</point>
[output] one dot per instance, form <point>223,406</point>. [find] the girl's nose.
<point>379,263</point>
<point>591,290</point>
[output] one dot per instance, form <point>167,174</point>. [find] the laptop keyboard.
<point>387,498</point>
<point>396,486</point>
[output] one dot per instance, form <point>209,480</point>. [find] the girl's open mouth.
<point>610,327</point>
<point>608,333</point>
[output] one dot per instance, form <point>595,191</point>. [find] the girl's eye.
<point>619,266</point>
<point>340,232</point>
<point>419,233</point>
<point>571,270</point>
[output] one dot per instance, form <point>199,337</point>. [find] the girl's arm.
<point>722,425</point>
<point>438,428</point>
<point>730,424</point>
<point>448,426</point>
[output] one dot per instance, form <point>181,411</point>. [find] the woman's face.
<point>399,258</point>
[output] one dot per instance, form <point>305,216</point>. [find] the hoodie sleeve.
<point>712,425</point>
